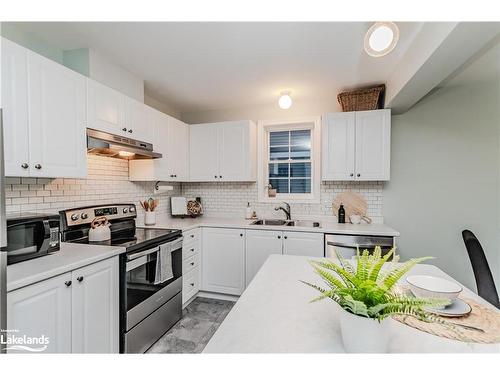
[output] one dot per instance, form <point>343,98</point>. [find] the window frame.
<point>305,123</point>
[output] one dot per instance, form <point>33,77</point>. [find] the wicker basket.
<point>362,99</point>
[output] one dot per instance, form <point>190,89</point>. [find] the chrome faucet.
<point>286,210</point>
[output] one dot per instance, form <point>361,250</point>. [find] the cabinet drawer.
<point>191,285</point>
<point>190,249</point>
<point>190,263</point>
<point>191,235</point>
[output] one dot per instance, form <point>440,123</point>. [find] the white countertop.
<point>274,316</point>
<point>327,226</point>
<point>70,256</point>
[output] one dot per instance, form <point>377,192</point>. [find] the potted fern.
<point>366,293</point>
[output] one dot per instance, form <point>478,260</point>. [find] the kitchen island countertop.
<point>274,315</point>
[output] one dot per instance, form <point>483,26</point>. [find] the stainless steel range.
<point>150,304</point>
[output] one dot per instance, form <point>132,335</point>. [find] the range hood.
<point>106,144</point>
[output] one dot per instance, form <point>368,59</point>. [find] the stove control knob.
<point>74,217</point>
<point>84,215</point>
<point>125,210</point>
<point>132,209</point>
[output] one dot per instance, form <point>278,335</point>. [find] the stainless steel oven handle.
<point>142,253</point>
<point>177,244</point>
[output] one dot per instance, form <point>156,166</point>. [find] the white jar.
<point>150,218</point>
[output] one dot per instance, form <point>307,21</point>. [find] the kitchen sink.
<point>304,223</point>
<point>270,222</point>
<point>288,223</point>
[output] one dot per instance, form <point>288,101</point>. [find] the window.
<point>289,160</point>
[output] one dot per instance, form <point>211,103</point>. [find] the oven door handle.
<point>142,253</point>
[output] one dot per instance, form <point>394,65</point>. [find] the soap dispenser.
<point>341,214</point>
<point>249,212</point>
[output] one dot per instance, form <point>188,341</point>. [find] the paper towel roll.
<point>162,189</point>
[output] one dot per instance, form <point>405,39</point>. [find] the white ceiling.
<point>208,66</point>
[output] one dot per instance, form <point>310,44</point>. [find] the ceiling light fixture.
<point>381,38</point>
<point>285,100</point>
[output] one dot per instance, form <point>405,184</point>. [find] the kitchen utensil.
<point>354,204</point>
<point>99,229</point>
<point>433,287</point>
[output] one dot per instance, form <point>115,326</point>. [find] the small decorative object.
<point>341,214</point>
<point>271,192</point>
<point>99,229</point>
<point>194,208</point>
<point>362,99</point>
<point>355,219</point>
<point>149,208</point>
<point>367,296</point>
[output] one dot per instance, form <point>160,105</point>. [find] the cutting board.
<point>354,204</point>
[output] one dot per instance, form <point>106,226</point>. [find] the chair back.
<point>482,273</point>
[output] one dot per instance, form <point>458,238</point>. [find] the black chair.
<point>482,273</point>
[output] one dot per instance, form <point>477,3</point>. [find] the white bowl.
<point>433,287</point>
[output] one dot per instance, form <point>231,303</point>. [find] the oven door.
<point>143,296</point>
<point>30,239</point>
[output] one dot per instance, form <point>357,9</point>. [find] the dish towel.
<point>164,270</point>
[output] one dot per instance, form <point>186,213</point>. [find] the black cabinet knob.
<point>68,283</point>
<point>24,166</point>
<point>192,250</point>
<point>241,234</point>
<point>220,176</point>
<point>124,129</point>
<point>192,263</point>
<point>215,176</point>
<point>359,175</point>
<point>279,237</point>
<point>285,237</point>
<point>192,284</point>
<point>80,278</point>
<point>352,174</point>
<point>38,166</point>
<point>130,131</point>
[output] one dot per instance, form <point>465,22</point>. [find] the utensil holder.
<point>149,218</point>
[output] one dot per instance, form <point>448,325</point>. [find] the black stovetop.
<point>136,238</point>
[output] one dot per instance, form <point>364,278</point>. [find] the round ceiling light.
<point>381,38</point>
<point>285,100</point>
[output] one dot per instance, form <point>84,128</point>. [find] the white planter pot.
<point>150,218</point>
<point>364,335</point>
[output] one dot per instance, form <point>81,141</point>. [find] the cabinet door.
<point>178,150</point>
<point>95,308</point>
<point>57,112</point>
<point>106,109</point>
<point>44,309</point>
<point>338,146</point>
<point>223,260</point>
<point>139,121</point>
<point>303,243</point>
<point>203,153</point>
<point>373,145</point>
<point>234,159</point>
<point>259,245</point>
<point>15,109</point>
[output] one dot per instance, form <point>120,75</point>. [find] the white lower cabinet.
<point>303,243</point>
<point>191,264</point>
<point>259,245</point>
<point>223,260</point>
<point>42,309</point>
<point>77,311</point>
<point>95,308</point>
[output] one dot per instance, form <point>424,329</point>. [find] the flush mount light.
<point>285,100</point>
<point>125,154</point>
<point>381,38</point>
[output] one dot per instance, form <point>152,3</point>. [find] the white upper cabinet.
<point>338,146</point>
<point>171,139</point>
<point>44,116</point>
<point>57,106</point>
<point>373,145</point>
<point>105,108</point>
<point>203,153</point>
<point>223,151</point>
<point>138,121</point>
<point>357,146</point>
<point>15,109</point>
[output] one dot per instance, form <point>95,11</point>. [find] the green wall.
<point>445,167</point>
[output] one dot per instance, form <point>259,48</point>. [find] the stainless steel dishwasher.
<point>346,245</point>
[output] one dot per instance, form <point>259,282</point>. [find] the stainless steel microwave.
<point>31,235</point>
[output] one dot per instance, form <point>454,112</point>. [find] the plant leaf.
<point>398,272</point>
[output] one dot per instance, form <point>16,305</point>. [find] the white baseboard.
<point>225,297</point>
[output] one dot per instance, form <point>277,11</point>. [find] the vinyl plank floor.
<point>200,319</point>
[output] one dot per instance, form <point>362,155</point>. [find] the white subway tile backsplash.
<point>107,183</point>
